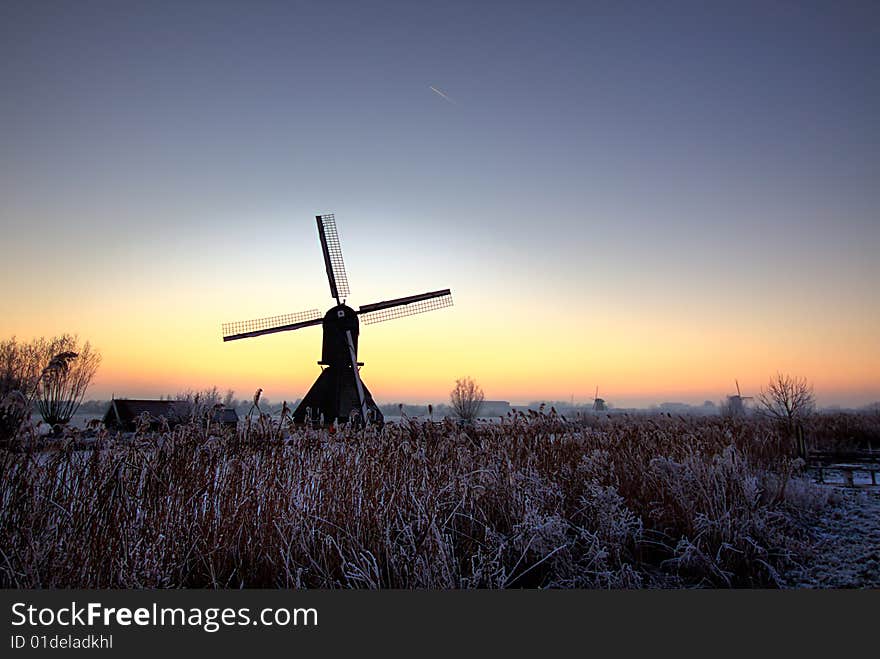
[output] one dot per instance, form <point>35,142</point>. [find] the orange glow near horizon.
<point>167,342</point>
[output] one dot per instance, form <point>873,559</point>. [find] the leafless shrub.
<point>466,399</point>
<point>65,378</point>
<point>54,373</point>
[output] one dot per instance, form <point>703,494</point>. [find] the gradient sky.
<point>653,197</point>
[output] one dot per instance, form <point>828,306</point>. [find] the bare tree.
<point>19,373</point>
<point>466,399</point>
<point>199,405</point>
<point>19,367</point>
<point>66,377</point>
<point>787,399</point>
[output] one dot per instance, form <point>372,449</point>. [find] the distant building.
<point>495,408</point>
<point>123,414</point>
<point>736,405</point>
<point>226,416</point>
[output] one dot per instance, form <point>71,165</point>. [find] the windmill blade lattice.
<point>332,255</point>
<point>257,327</point>
<point>404,306</point>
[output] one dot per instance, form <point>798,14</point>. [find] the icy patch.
<point>846,549</point>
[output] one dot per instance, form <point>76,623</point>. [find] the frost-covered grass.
<point>533,501</point>
<point>845,431</point>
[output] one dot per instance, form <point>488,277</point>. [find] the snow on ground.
<point>79,420</point>
<point>834,476</point>
<point>846,553</point>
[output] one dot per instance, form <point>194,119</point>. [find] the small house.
<point>495,408</point>
<point>123,413</point>
<point>226,417</point>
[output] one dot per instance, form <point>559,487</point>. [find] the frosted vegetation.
<point>536,500</point>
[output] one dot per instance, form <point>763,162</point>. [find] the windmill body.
<point>338,323</point>
<point>339,387</point>
<point>339,394</point>
<point>737,403</point>
<point>599,404</point>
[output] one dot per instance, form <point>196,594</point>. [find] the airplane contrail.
<point>441,94</point>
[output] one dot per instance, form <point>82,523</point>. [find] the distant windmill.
<point>339,393</point>
<point>736,403</point>
<point>599,403</point>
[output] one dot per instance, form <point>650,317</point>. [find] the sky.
<point>652,198</point>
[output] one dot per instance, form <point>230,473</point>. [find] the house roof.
<point>126,410</point>
<point>226,415</point>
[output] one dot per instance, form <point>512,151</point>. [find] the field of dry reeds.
<point>533,501</point>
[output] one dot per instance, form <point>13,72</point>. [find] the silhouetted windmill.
<point>599,403</point>
<point>339,393</point>
<point>737,403</point>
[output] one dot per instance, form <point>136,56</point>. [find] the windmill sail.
<point>339,395</point>
<point>404,306</point>
<point>332,256</point>
<point>271,324</point>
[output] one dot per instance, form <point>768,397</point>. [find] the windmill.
<point>599,404</point>
<point>736,403</point>
<point>339,393</point>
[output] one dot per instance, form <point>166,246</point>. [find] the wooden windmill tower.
<point>599,404</point>
<point>339,394</point>
<point>736,404</point>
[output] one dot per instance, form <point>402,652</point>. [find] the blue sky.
<point>624,167</point>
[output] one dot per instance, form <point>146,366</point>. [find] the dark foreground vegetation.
<point>534,501</point>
